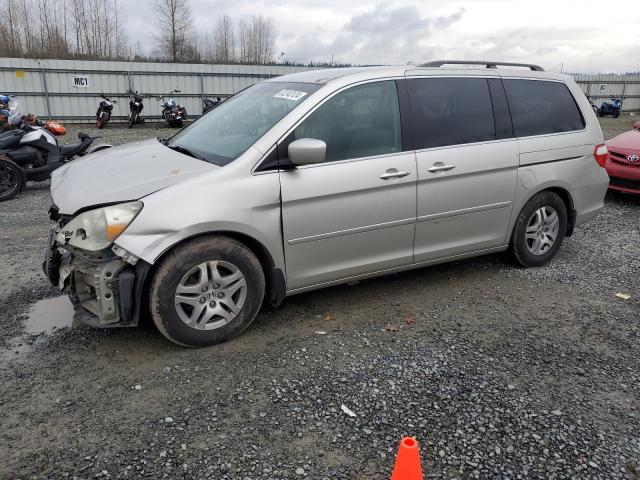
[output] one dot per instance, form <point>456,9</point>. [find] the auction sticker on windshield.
<point>294,95</point>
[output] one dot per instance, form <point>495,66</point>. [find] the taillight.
<point>600,153</point>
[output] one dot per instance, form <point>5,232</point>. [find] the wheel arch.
<point>275,282</point>
<point>568,202</point>
<point>566,198</point>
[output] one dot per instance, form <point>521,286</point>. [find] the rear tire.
<point>11,180</point>
<point>206,291</point>
<point>539,230</point>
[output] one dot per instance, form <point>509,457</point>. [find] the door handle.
<point>393,173</point>
<point>440,167</point>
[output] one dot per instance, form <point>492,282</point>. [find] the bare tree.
<point>10,31</point>
<point>52,41</point>
<point>94,29</point>
<point>224,46</point>
<point>63,29</point>
<point>174,38</point>
<point>257,40</point>
<point>245,40</point>
<point>97,28</point>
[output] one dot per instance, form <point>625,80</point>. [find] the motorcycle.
<point>30,152</point>
<point>610,108</point>
<point>208,104</point>
<point>7,110</point>
<point>135,107</point>
<point>172,112</point>
<point>593,106</point>
<point>103,115</point>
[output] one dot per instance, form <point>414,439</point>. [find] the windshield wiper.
<point>186,151</point>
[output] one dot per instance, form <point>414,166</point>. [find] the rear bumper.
<point>104,289</point>
<point>588,201</point>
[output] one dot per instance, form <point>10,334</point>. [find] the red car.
<point>623,161</point>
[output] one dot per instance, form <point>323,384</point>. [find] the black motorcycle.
<point>103,115</point>
<point>31,153</point>
<point>208,104</point>
<point>172,112</point>
<point>135,107</point>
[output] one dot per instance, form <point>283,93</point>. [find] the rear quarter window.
<point>541,107</point>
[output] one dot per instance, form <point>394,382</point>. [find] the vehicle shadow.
<point>622,198</point>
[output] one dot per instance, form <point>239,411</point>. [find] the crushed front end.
<point>105,285</point>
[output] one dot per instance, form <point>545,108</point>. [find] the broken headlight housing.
<point>96,229</point>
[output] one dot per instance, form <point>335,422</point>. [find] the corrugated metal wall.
<point>603,87</point>
<point>45,87</point>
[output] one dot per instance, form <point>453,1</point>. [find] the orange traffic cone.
<point>407,465</point>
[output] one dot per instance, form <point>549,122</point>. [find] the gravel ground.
<point>499,372</point>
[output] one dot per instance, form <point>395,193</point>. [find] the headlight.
<point>97,229</point>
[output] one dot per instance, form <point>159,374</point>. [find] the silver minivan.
<point>319,178</point>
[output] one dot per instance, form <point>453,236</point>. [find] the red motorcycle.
<point>172,112</point>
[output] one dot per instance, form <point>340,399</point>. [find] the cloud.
<point>382,34</point>
<point>366,32</point>
<point>552,47</point>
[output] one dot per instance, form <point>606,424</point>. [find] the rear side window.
<point>540,107</point>
<point>451,111</point>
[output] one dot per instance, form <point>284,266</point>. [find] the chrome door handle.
<point>393,173</point>
<point>440,167</point>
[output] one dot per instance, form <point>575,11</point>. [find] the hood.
<point>119,174</point>
<point>626,141</point>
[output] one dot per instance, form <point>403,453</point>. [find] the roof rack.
<point>439,63</point>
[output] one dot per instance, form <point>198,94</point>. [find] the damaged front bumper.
<point>105,287</point>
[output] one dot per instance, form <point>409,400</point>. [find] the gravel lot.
<point>499,372</point>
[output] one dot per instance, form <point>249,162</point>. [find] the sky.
<point>575,36</point>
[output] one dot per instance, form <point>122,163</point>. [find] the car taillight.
<point>600,153</point>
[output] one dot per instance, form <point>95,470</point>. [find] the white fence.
<point>70,89</point>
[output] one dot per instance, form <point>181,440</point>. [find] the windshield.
<point>227,131</point>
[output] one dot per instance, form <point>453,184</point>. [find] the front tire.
<point>539,230</point>
<point>206,291</point>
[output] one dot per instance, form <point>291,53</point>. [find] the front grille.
<point>621,159</point>
<point>625,183</point>
<point>625,163</point>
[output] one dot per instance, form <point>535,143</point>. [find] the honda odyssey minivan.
<point>319,178</point>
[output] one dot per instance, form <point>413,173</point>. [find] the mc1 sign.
<point>79,81</point>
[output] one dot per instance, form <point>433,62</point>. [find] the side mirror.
<point>636,126</point>
<point>307,151</point>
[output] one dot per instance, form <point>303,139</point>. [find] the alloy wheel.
<point>542,230</point>
<point>210,295</point>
